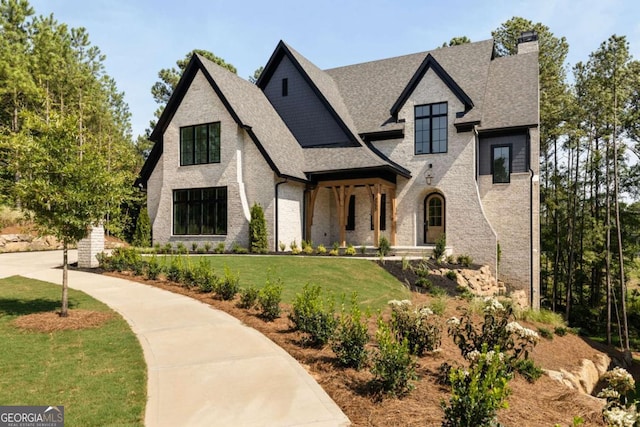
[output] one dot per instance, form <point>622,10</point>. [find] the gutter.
<point>276,214</point>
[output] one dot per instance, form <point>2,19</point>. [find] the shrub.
<point>168,249</point>
<point>142,233</point>
<point>384,247</point>
<point>310,316</point>
<point>439,305</point>
<point>175,272</point>
<point>424,283</point>
<point>406,265</point>
<point>194,247</point>
<point>528,369</point>
<point>282,246</point>
<point>560,331</point>
<point>350,250</point>
<point>219,248</point>
<point>104,261</point>
<point>478,392</point>
<point>363,250</point>
<point>258,243</point>
<point>621,407</point>
<point>321,250</point>
<point>393,365</point>
<point>452,275</point>
<point>269,298</point>
<point>440,248</point>
<point>203,277</point>
<point>545,333</point>
<point>248,297</point>
<point>451,259</point>
<point>123,259</point>
<point>295,250</point>
<point>308,249</point>
<point>228,286</point>
<point>547,317</point>
<point>156,247</point>
<point>437,291</point>
<point>335,246</point>
<point>181,248</point>
<point>207,247</point>
<point>334,252</point>
<point>154,268</point>
<point>465,260</point>
<point>351,337</point>
<point>497,330</point>
<point>236,248</point>
<point>418,327</point>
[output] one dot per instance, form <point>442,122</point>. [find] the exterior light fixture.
<point>427,176</point>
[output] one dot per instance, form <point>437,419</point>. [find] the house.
<point>443,142</point>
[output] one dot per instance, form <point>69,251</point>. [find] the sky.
<point>140,37</point>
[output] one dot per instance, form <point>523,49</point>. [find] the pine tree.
<point>257,230</point>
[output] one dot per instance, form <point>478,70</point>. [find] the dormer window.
<point>431,128</point>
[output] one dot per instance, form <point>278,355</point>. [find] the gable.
<point>304,113</point>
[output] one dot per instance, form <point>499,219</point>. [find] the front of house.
<point>410,148</point>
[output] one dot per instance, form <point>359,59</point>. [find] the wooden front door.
<point>433,218</point>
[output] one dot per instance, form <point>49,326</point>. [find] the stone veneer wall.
<point>91,246</point>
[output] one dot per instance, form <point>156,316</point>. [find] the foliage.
<point>334,252</point>
<point>528,369</point>
<point>545,333</point>
<point>237,248</point>
<point>313,316</point>
<point>219,248</point>
<point>258,242</point>
<point>142,233</point>
<point>350,250</point>
<point>207,247</point>
<point>228,286</point>
<point>440,248</point>
<point>424,283</point>
<point>204,277</point>
<point>181,248</point>
<point>282,246</point>
<point>541,316</point>
<point>384,247</point>
<point>295,250</point>
<point>248,297</point>
<point>321,250</point>
<point>418,327</point>
<point>308,249</point>
<point>620,409</point>
<point>465,260</point>
<point>351,337</point>
<point>479,391</point>
<point>154,268</point>
<point>451,275</point>
<point>269,298</point>
<point>438,305</point>
<point>497,330</point>
<point>393,365</point>
<point>175,272</point>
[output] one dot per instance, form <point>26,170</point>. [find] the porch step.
<point>413,251</point>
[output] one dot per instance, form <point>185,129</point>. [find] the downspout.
<point>531,177</point>
<point>276,209</point>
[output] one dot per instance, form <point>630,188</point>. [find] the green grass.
<point>98,375</point>
<point>337,276</point>
<point>541,316</point>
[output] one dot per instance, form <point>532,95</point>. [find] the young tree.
<point>67,188</point>
<point>142,234</point>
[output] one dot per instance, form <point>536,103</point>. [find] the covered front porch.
<point>351,210</point>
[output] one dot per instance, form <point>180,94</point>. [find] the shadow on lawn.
<point>19,307</point>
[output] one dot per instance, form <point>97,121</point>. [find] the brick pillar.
<point>90,246</point>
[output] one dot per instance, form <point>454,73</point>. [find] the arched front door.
<point>433,217</point>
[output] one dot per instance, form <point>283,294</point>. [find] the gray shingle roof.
<point>254,110</point>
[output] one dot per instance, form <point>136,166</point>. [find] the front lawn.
<point>338,276</point>
<point>97,374</point>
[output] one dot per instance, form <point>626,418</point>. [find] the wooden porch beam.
<point>394,216</point>
<point>310,207</point>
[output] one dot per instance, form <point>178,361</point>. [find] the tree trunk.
<point>64,311</point>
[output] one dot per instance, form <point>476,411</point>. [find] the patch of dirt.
<point>51,321</point>
<point>543,403</point>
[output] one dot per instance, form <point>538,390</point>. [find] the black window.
<point>501,163</point>
<point>431,128</point>
<point>200,211</point>
<point>351,217</point>
<point>383,213</point>
<point>285,87</point>
<point>200,144</point>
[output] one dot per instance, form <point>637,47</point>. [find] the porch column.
<point>342,194</point>
<point>309,217</point>
<point>394,215</point>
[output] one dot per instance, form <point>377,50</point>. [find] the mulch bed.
<point>52,321</point>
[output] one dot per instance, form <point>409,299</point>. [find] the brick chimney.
<point>528,42</point>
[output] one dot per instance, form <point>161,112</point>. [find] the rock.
<point>519,298</point>
<point>586,377</point>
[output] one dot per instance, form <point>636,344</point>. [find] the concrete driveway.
<point>205,368</point>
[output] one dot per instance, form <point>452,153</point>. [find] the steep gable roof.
<point>249,108</point>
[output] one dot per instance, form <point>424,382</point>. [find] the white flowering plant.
<point>420,327</point>
<point>620,410</point>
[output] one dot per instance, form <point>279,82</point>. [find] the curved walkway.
<point>205,368</point>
